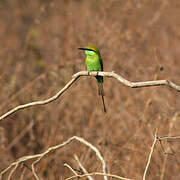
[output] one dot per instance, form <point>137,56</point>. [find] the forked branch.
<point>37,157</point>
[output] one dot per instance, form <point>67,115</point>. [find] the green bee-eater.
<point>94,63</point>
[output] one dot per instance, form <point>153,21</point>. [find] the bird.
<point>94,63</point>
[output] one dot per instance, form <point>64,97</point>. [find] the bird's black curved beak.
<point>85,49</point>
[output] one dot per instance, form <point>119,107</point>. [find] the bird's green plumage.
<point>94,63</point>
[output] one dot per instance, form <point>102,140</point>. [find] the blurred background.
<point>139,40</point>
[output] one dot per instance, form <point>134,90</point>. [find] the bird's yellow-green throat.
<point>94,63</point>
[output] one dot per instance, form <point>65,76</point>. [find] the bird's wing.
<point>101,62</point>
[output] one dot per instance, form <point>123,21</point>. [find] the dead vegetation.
<point>38,56</point>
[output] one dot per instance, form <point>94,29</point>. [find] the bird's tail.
<point>103,104</point>
<point>101,90</point>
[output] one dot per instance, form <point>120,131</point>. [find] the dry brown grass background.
<point>139,40</point>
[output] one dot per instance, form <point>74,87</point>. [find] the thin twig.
<point>34,172</point>
<point>99,174</point>
<point>8,168</point>
<point>41,155</point>
<point>150,156</point>
<point>82,167</point>
<point>168,137</point>
<point>68,166</point>
<point>12,171</point>
<point>172,122</point>
<point>23,173</point>
<point>94,73</point>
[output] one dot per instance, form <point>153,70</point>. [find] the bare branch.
<point>82,167</point>
<point>99,174</point>
<point>94,73</point>
<point>8,168</point>
<point>41,155</point>
<point>150,155</point>
<point>68,166</point>
<point>12,171</point>
<point>168,137</point>
<point>171,124</point>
